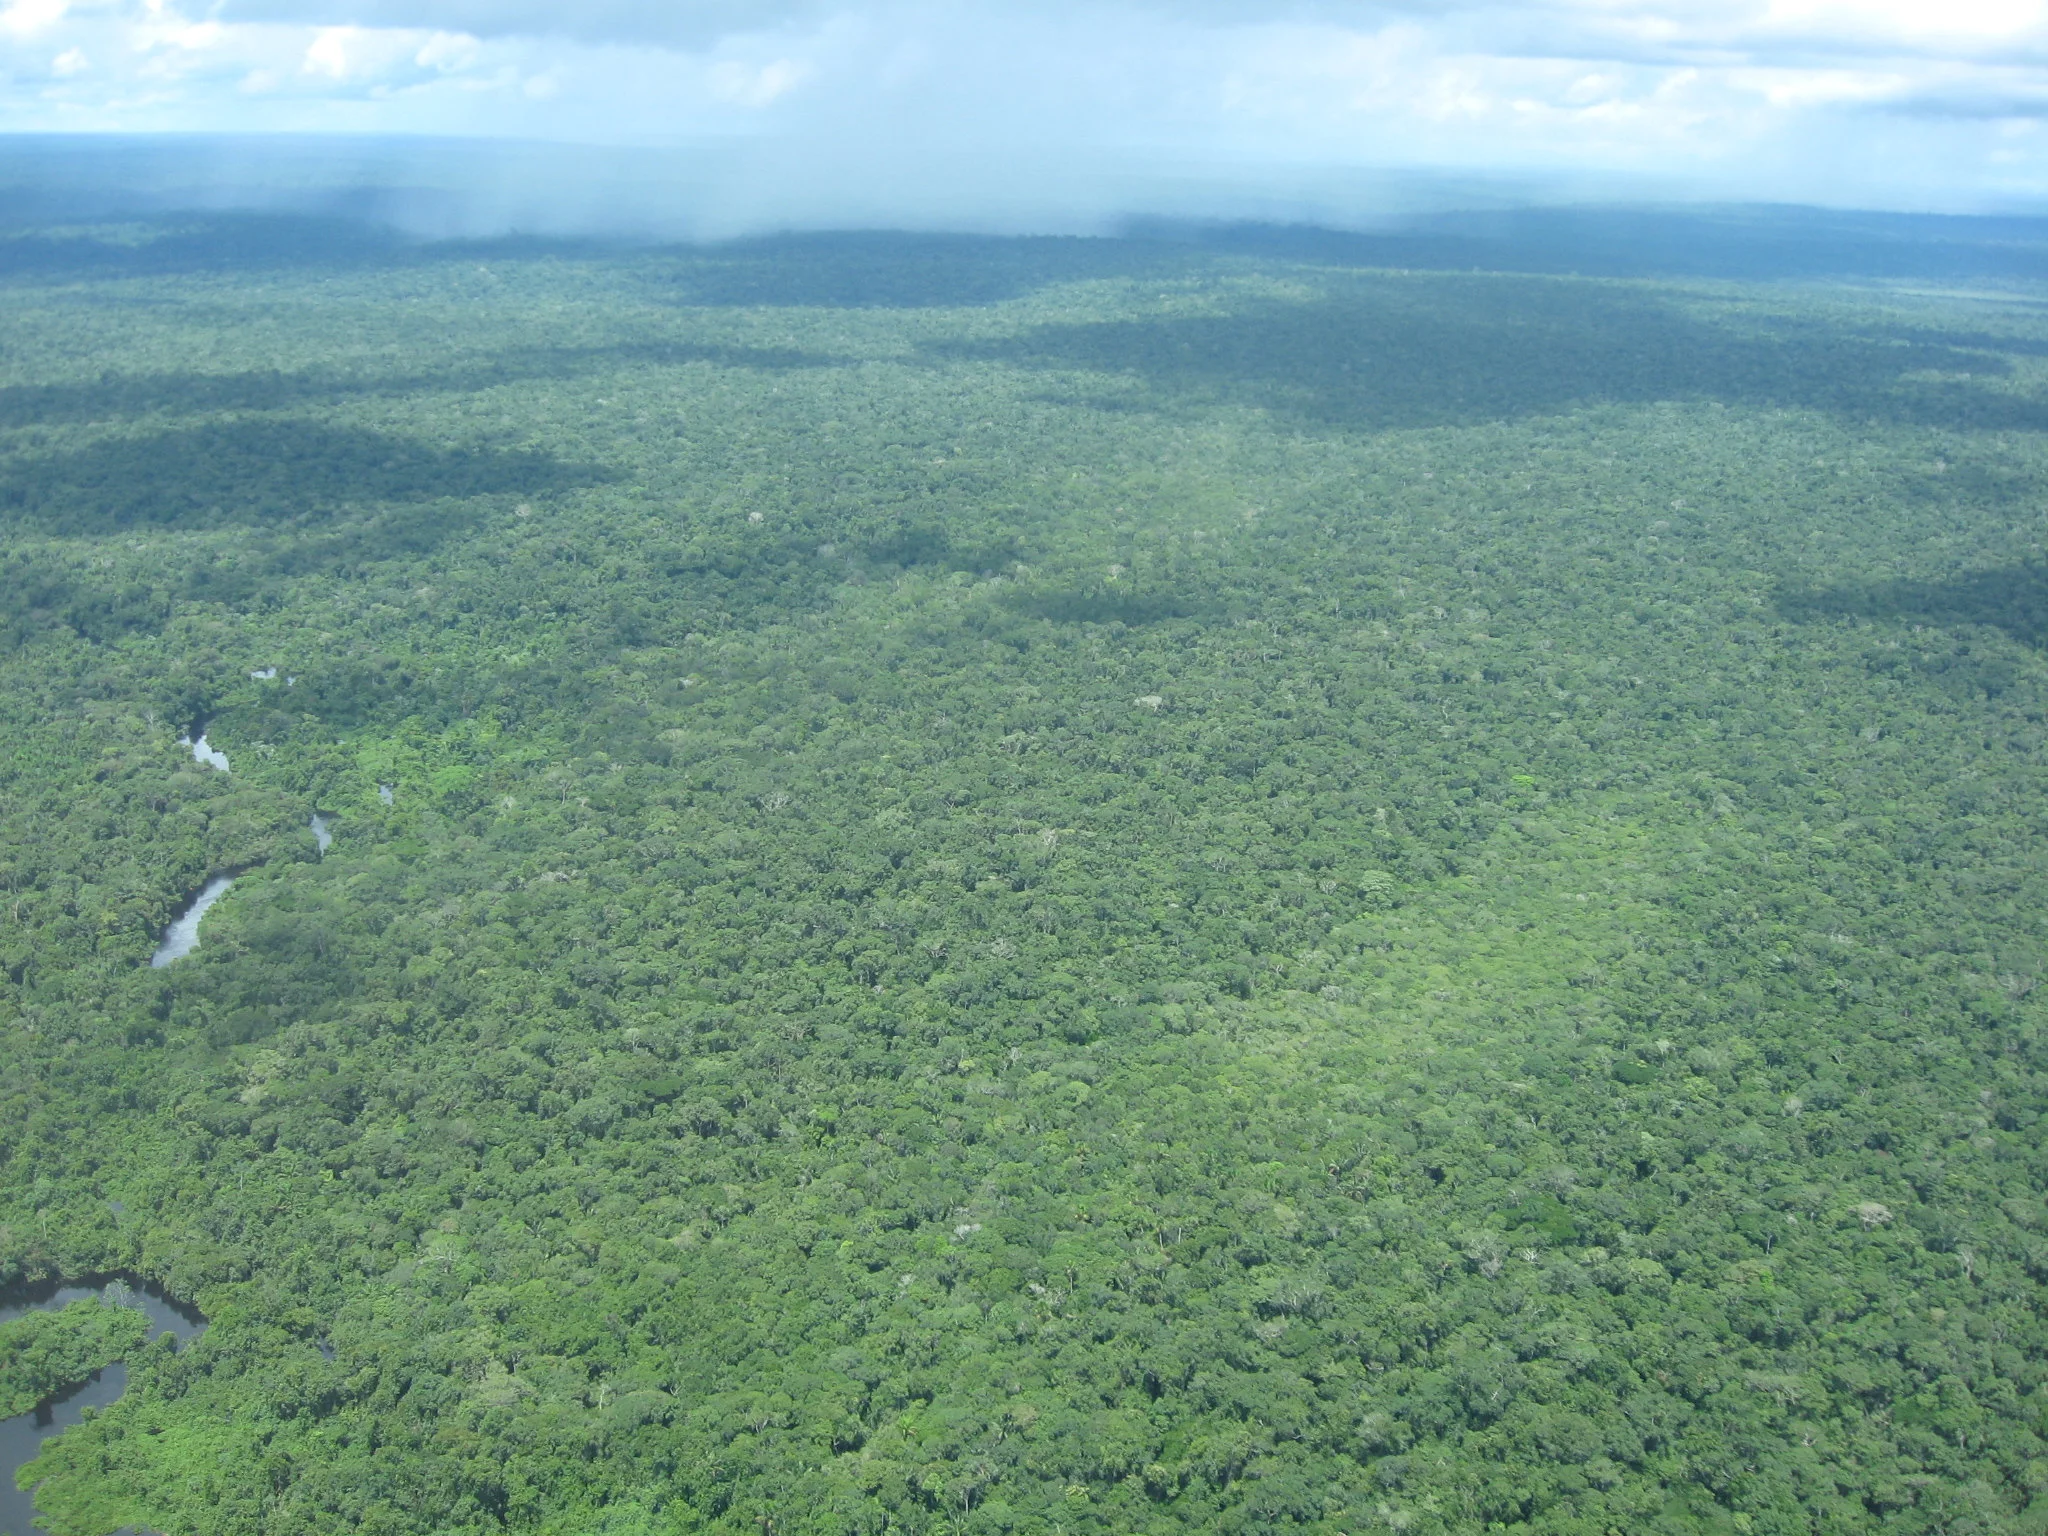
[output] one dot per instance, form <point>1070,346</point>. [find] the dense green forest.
<point>1065,887</point>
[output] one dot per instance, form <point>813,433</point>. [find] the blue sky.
<point>1872,103</point>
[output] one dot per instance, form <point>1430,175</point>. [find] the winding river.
<point>182,937</point>
<point>22,1437</point>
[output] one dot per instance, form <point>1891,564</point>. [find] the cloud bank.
<point>1013,114</point>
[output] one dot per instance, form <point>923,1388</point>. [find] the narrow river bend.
<point>22,1437</point>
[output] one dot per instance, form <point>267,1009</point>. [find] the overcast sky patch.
<point>1883,103</point>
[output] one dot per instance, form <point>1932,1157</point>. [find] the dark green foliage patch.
<point>42,1353</point>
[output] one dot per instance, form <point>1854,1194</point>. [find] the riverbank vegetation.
<point>42,1353</point>
<point>1132,889</point>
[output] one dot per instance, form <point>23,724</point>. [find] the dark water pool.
<point>22,1437</point>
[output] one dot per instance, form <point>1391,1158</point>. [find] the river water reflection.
<point>204,752</point>
<point>182,937</point>
<point>22,1437</point>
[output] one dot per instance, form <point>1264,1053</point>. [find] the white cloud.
<point>670,23</point>
<point>1800,89</point>
<point>27,18</point>
<point>1910,21</point>
<point>327,54</point>
<point>447,52</point>
<point>1905,102</point>
<point>756,85</point>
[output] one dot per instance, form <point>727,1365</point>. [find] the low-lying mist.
<point>711,189</point>
<point>340,191</point>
